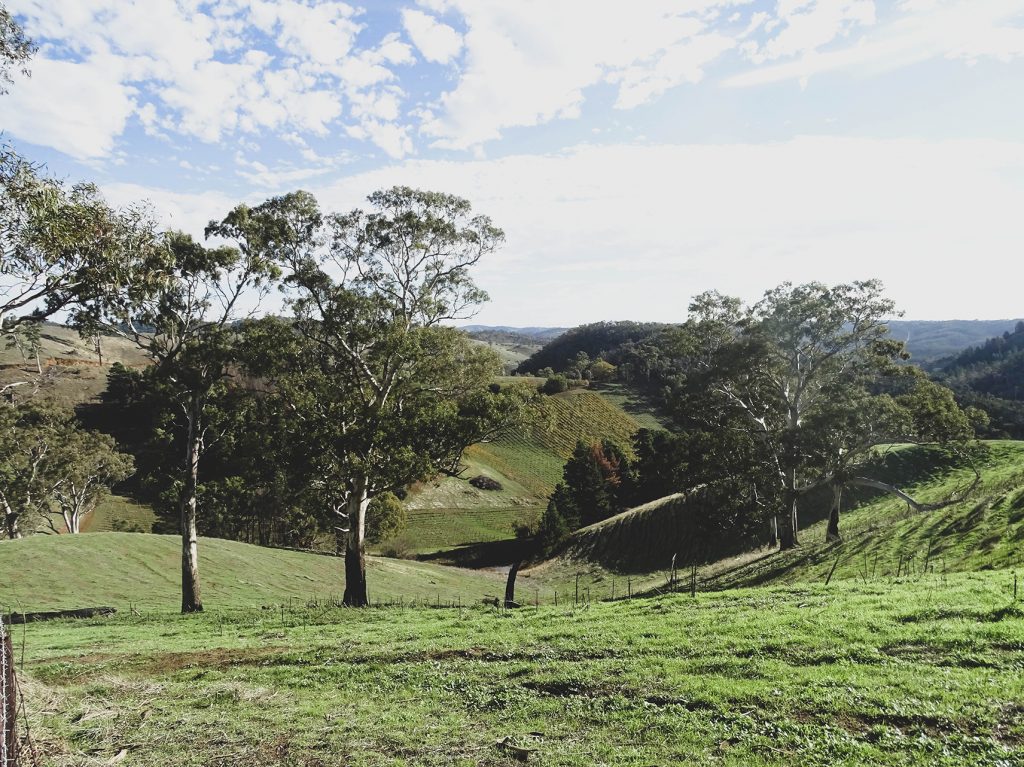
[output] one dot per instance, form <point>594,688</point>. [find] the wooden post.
<point>8,703</point>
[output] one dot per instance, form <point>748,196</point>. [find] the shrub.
<point>555,384</point>
<point>485,483</point>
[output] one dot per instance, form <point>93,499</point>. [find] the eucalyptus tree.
<point>386,392</point>
<point>182,306</point>
<point>800,373</point>
<point>50,466</point>
<point>59,245</point>
<point>16,48</point>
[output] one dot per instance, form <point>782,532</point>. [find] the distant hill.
<point>76,371</point>
<point>534,333</point>
<point>927,340</point>
<point>991,376</point>
<point>595,339</point>
<point>930,340</point>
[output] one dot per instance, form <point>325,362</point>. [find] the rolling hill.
<point>74,372</point>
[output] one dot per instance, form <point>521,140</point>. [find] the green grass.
<point>52,572</point>
<point>636,405</point>
<point>922,671</point>
<point>534,457</point>
<point>882,537</point>
<point>433,530</point>
<point>115,513</point>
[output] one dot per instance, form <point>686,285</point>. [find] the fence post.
<point>8,702</point>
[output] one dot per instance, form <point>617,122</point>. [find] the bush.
<point>485,483</point>
<point>602,370</point>
<point>385,518</point>
<point>554,385</point>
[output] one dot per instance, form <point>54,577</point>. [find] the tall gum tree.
<point>182,308</point>
<point>391,393</point>
<point>800,372</point>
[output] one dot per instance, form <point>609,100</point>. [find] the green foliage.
<point>15,49</point>
<point>555,384</point>
<point>601,371</point>
<point>385,518</point>
<point>50,466</point>
<point>809,380</point>
<point>60,245</point>
<point>989,376</point>
<point>596,484</point>
<point>553,527</point>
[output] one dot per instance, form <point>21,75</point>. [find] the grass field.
<point>919,671</point>
<point>45,572</point>
<point>433,530</point>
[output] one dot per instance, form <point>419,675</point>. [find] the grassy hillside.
<point>74,373</point>
<point>881,537</point>
<point>50,572</point>
<point>448,512</point>
<point>117,514</point>
<point>922,671</point>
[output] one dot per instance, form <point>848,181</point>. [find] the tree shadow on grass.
<point>479,555</point>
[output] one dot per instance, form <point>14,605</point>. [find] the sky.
<point>635,153</point>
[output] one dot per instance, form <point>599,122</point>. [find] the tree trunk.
<point>788,538</point>
<point>13,530</point>
<point>510,586</point>
<point>773,531</point>
<point>355,548</point>
<point>832,534</point>
<point>191,598</point>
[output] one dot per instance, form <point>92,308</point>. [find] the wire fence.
<point>9,746</point>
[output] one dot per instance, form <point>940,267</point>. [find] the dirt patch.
<point>216,658</point>
<point>1008,730</point>
<point>571,688</point>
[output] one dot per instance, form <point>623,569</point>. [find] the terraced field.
<point>119,514</point>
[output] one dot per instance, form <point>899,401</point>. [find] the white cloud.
<point>933,219</point>
<point>520,69</point>
<point>810,24</point>
<point>188,212</point>
<point>437,41</point>
<point>927,29</point>
<point>681,63</point>
<point>238,67</point>
<point>75,108</point>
